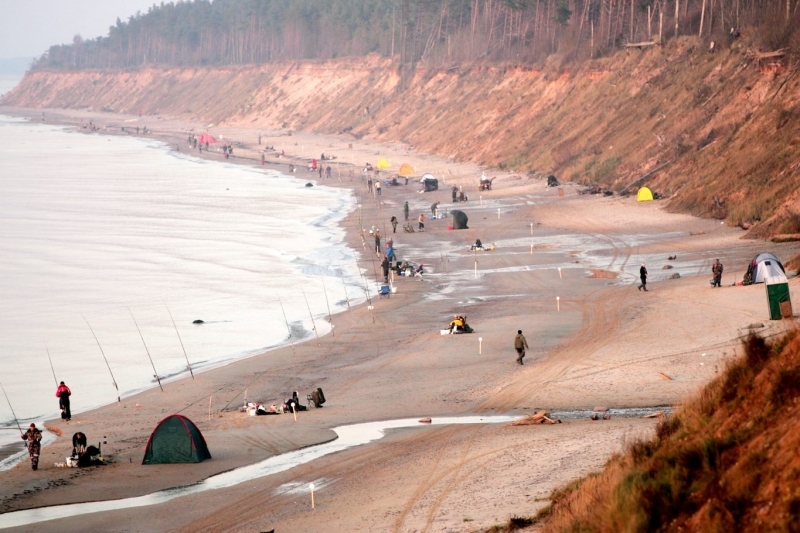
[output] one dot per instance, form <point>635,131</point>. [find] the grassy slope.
<point>726,462</point>
<point>727,125</point>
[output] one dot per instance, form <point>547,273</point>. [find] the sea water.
<point>114,231</point>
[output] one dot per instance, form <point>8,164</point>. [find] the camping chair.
<point>310,402</point>
<point>385,291</point>
<point>408,228</point>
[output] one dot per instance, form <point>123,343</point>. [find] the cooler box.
<point>780,304</point>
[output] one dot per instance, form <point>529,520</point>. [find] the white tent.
<point>763,266</point>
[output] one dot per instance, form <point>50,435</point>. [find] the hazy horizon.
<point>28,29</point>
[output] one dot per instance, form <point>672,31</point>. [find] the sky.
<point>29,27</point>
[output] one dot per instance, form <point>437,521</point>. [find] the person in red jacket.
<point>63,393</point>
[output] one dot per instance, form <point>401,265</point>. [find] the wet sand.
<point>601,343</point>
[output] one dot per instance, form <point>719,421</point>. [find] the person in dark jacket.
<point>405,210</point>
<point>519,345</point>
<point>385,264</point>
<point>643,277</point>
<point>33,440</point>
<point>393,221</point>
<point>63,393</point>
<point>78,444</point>
<point>716,269</point>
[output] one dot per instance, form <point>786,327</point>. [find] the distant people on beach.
<point>33,440</point>
<point>79,443</point>
<point>717,269</point>
<point>328,172</point>
<point>421,221</point>
<point>378,187</point>
<point>385,264</point>
<point>434,206</point>
<point>63,393</point>
<point>369,185</point>
<point>393,222</point>
<point>520,344</point>
<point>643,277</point>
<point>405,210</point>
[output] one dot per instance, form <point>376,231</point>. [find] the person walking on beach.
<point>405,210</point>
<point>378,187</point>
<point>433,207</point>
<point>33,439</point>
<point>393,221</point>
<point>63,393</point>
<point>328,172</point>
<point>455,194</point>
<point>643,277</point>
<point>421,221</point>
<point>519,345</point>
<point>369,185</point>
<point>377,241</point>
<point>716,269</point>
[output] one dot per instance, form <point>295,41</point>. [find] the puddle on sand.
<point>602,274</point>
<point>348,437</point>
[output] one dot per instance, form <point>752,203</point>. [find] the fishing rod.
<point>188,364</point>
<point>287,323</point>
<point>155,372</point>
<point>330,319</point>
<point>344,286</point>
<point>12,410</point>
<point>114,381</point>
<point>51,363</point>
<point>313,324</point>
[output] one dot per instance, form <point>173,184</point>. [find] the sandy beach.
<point>563,271</point>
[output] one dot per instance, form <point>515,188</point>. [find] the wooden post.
<point>677,14</point>
<point>311,488</point>
<point>660,27</point>
<point>702,16</point>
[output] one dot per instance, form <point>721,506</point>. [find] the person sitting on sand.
<point>78,444</point>
<point>478,245</point>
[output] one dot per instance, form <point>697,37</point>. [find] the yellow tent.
<point>382,164</point>
<point>405,170</point>
<point>644,195</point>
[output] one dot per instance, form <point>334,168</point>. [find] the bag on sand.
<point>318,397</point>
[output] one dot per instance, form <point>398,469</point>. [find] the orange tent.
<point>405,170</point>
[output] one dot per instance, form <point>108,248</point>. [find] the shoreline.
<point>393,363</point>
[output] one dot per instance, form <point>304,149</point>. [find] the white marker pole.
<point>559,273</point>
<point>558,303</point>
<point>294,412</point>
<point>531,228</point>
<point>311,488</point>
<point>480,345</point>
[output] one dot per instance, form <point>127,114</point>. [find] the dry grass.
<point>717,465</point>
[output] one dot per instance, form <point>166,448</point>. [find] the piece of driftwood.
<point>767,55</point>
<point>425,420</point>
<point>664,376</point>
<point>654,415</point>
<point>641,45</point>
<point>535,418</point>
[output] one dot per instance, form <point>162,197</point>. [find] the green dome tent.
<point>175,440</point>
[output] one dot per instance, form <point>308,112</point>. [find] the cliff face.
<point>720,130</point>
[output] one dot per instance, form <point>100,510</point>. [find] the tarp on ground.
<point>429,182</point>
<point>459,219</point>
<point>382,164</point>
<point>405,170</point>
<point>761,267</point>
<point>175,440</point>
<point>644,195</point>
<point>206,137</point>
<point>552,181</point>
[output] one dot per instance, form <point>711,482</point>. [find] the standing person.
<point>519,345</point>
<point>393,221</point>
<point>63,393</point>
<point>259,139</point>
<point>390,250</point>
<point>455,194</point>
<point>385,264</point>
<point>433,207</point>
<point>421,221</point>
<point>378,187</point>
<point>643,277</point>
<point>717,270</point>
<point>328,172</point>
<point>377,241</point>
<point>405,210</point>
<point>369,184</point>
<point>33,438</point>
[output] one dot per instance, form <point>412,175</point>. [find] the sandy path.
<point>607,346</point>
